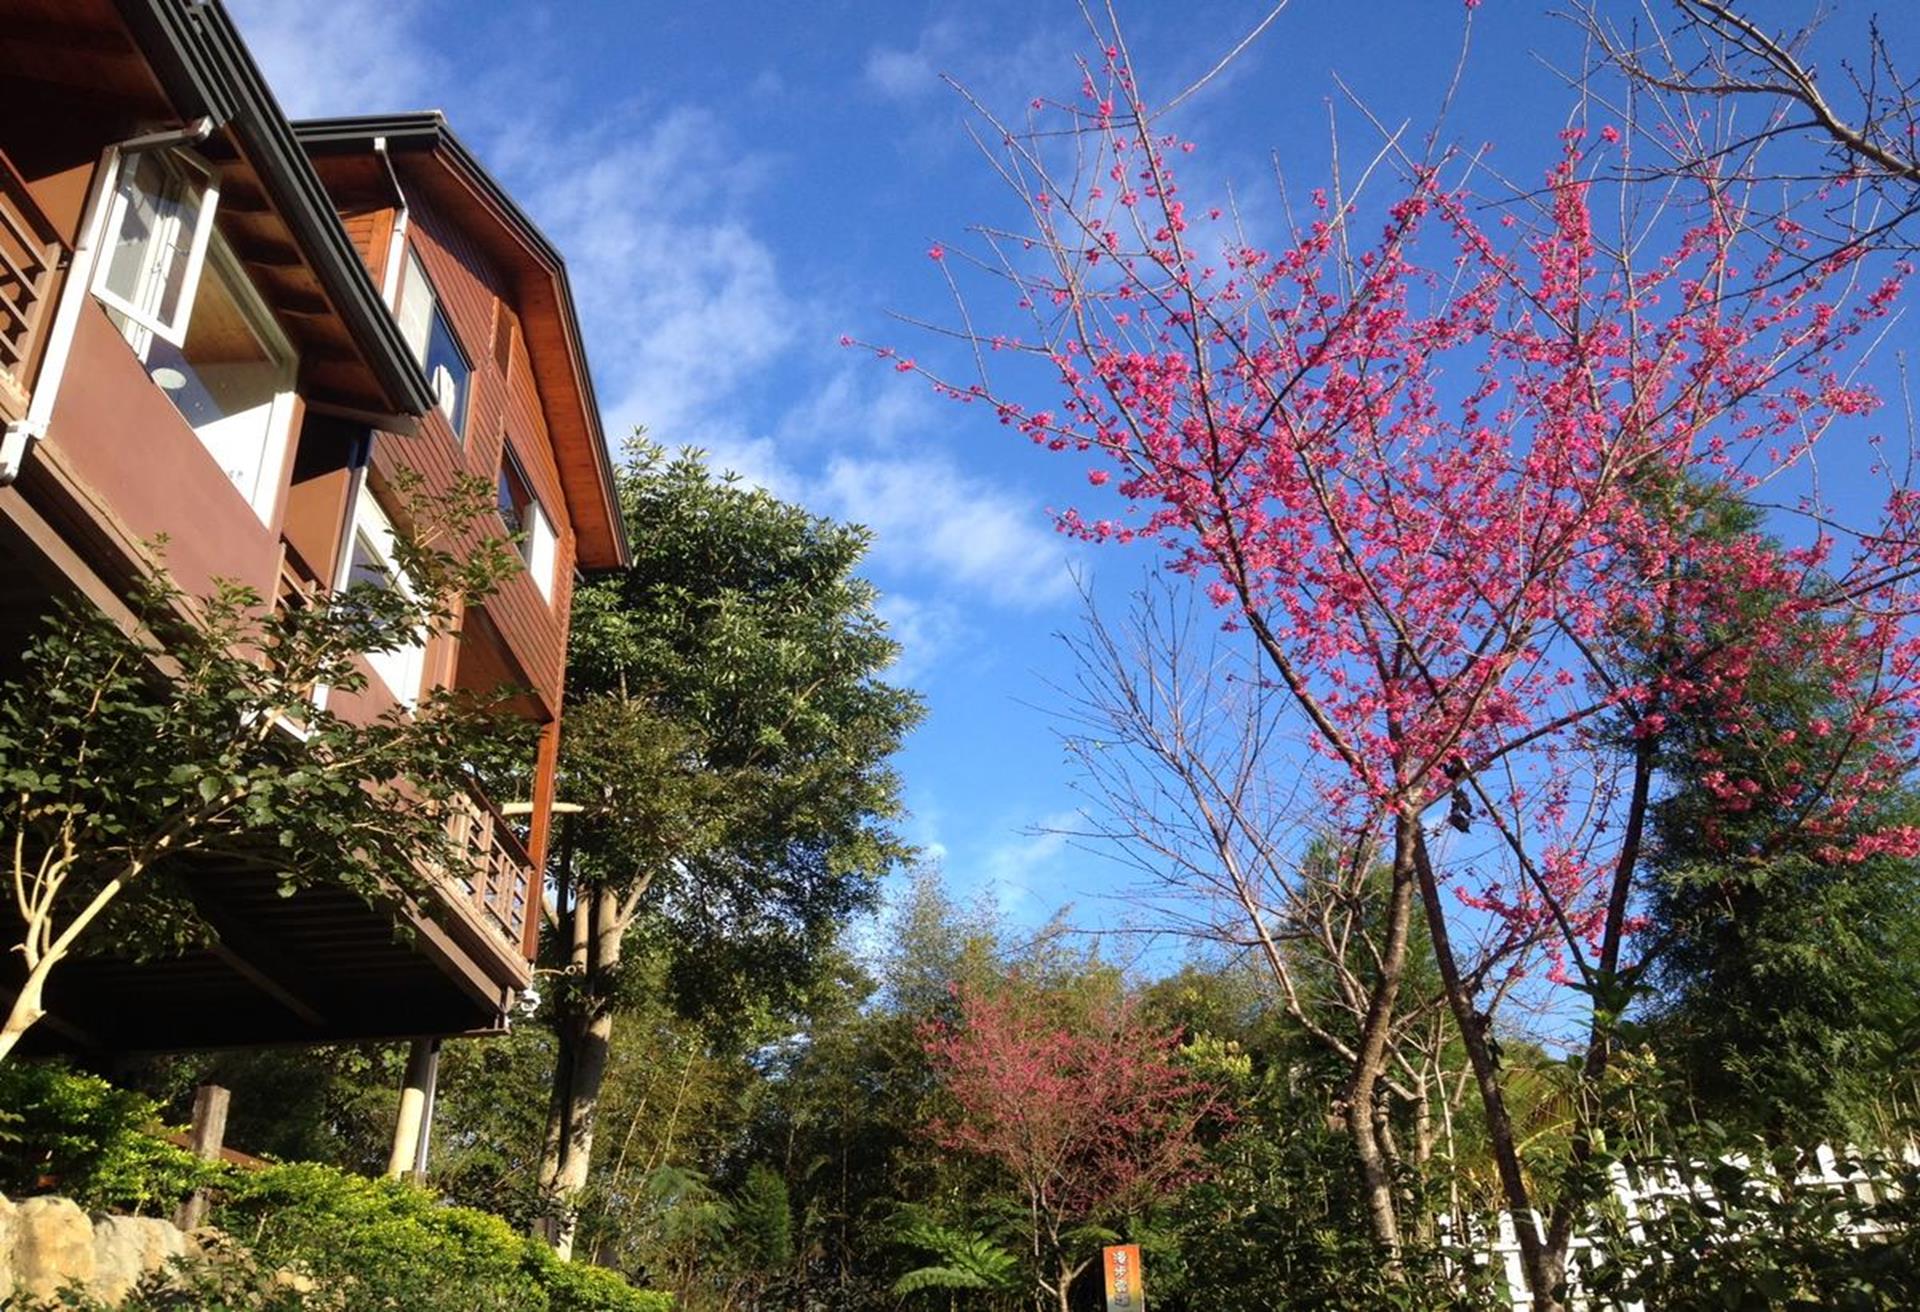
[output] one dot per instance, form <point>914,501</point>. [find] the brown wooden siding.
<point>468,285</point>
<point>124,449</point>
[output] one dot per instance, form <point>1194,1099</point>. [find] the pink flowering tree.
<point>1090,1121</point>
<point>1443,457</point>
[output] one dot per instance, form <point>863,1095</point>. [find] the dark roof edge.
<point>428,130</point>
<point>206,69</point>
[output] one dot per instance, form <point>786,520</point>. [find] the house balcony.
<point>31,257</point>
<point>322,965</point>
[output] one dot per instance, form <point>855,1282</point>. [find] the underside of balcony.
<point>320,965</point>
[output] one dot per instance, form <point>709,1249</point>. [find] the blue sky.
<point>735,186</point>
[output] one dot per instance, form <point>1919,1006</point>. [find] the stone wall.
<point>46,1243</point>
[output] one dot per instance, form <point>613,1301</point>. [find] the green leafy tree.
<point>1786,975</point>
<point>728,743</point>
<point>130,753</point>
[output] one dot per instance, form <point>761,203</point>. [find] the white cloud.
<point>933,518</point>
<point>355,57</point>
<point>925,630</point>
<point>686,311</point>
<point>902,74</point>
<point>1016,872</point>
<point>682,301</point>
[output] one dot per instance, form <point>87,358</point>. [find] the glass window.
<point>371,564</point>
<point>158,224</point>
<point>424,325</point>
<point>527,521</point>
<point>232,379</point>
<point>515,495</point>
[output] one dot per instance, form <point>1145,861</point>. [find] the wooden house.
<point>233,331</point>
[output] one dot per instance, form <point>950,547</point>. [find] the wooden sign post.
<point>1126,1290</point>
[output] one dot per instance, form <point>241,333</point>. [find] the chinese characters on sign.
<point>1125,1290</point>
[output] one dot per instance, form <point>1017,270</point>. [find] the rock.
<point>294,1279</point>
<point>127,1249</point>
<point>7,1226</point>
<point>208,1242</point>
<point>52,1247</point>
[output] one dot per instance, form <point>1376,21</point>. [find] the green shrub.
<point>1749,1234</point>
<point>384,1244</point>
<point>367,1244</point>
<point>573,1287</point>
<point>79,1136</point>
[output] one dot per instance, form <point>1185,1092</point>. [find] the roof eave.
<point>427,130</point>
<point>205,69</point>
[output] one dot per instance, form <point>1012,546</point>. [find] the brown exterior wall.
<point>140,471</point>
<point>500,407</point>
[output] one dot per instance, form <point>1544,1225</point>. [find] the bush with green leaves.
<point>79,1136</point>
<point>385,1244</point>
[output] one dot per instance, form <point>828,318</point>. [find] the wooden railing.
<point>30,252</point>
<point>497,875</point>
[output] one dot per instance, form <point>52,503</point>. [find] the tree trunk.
<point>1601,1028</point>
<point>27,1008</point>
<point>1376,1173</point>
<point>1543,1275</point>
<point>587,1070</point>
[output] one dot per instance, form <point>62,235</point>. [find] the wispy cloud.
<point>355,57</point>
<point>908,73</point>
<point>1019,872</point>
<point>925,629</point>
<point>688,313</point>
<point>934,519</point>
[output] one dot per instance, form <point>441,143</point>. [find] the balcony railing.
<point>497,875</point>
<point>30,252</point>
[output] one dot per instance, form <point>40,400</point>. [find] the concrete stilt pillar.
<point>414,1126</point>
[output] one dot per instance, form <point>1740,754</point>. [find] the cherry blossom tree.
<point>1090,1122</point>
<point>1441,449</point>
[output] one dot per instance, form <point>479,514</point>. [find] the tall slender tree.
<point>729,748</point>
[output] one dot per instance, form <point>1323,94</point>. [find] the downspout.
<point>397,243</point>
<point>21,434</point>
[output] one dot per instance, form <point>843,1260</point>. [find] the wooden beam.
<point>268,985</point>
<point>208,1137</point>
<point>266,254</point>
<point>239,197</point>
<point>242,951</point>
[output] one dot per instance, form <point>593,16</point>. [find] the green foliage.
<point>1788,978</point>
<point>1279,1221</point>
<point>128,759</point>
<point>729,730</point>
<point>963,1259</point>
<point>1748,1235</point>
<point>79,1136</point>
<point>763,1222</point>
<point>381,1243</point>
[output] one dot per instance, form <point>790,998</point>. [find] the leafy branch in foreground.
<point>198,737</point>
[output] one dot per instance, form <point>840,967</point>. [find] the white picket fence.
<point>1644,1196</point>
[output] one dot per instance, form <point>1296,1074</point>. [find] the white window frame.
<point>404,669</point>
<point>146,317</point>
<point>539,545</point>
<point>277,443</point>
<point>543,550</point>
